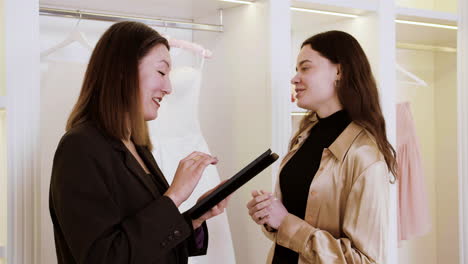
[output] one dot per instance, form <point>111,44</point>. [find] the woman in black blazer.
<point>109,201</point>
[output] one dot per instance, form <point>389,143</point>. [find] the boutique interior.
<point>240,104</point>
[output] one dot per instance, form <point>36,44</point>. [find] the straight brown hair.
<point>110,92</point>
<point>357,89</point>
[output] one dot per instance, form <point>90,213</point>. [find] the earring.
<point>337,82</point>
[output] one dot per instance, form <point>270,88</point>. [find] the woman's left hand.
<point>266,209</point>
<point>217,210</point>
<point>277,213</point>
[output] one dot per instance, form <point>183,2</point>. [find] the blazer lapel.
<point>150,162</point>
<point>134,167</point>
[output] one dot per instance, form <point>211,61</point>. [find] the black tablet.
<point>234,183</point>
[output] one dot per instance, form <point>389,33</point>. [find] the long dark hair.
<point>110,91</point>
<point>356,89</point>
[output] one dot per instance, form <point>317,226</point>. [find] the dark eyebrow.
<point>302,62</point>
<point>167,63</point>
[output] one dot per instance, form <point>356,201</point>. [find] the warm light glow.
<point>238,2</point>
<point>323,12</point>
<point>425,24</point>
<point>299,113</point>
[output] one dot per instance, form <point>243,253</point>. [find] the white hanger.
<point>190,46</point>
<point>415,79</point>
<point>74,36</point>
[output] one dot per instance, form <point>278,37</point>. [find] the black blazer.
<point>105,209</point>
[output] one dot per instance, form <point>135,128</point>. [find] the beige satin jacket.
<point>347,212</point>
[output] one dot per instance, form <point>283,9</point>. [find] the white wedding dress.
<point>175,134</point>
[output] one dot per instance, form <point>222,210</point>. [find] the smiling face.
<point>315,82</point>
<point>153,74</point>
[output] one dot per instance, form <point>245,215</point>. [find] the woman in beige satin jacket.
<point>331,200</point>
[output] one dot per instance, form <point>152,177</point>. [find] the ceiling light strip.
<point>323,12</point>
<point>400,21</point>
<point>238,2</point>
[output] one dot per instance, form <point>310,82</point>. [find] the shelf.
<point>433,5</point>
<point>186,10</point>
<point>426,35</point>
<point>305,21</point>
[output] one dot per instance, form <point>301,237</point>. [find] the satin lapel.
<point>150,162</point>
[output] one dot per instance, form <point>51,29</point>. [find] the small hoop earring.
<point>337,82</point>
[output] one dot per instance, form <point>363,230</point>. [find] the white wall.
<point>2,50</point>
<point>446,156</point>
<point>3,142</point>
<point>3,181</point>
<point>235,114</point>
<point>22,84</point>
<point>462,111</point>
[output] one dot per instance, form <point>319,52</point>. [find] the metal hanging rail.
<point>92,15</point>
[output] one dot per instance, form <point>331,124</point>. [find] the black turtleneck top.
<point>298,173</point>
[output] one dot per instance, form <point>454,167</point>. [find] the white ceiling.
<point>174,9</point>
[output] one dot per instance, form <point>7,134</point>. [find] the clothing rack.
<point>94,15</point>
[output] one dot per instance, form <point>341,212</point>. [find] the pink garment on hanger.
<point>413,211</point>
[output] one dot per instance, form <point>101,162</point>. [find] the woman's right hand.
<point>267,210</point>
<point>187,176</point>
<point>259,207</point>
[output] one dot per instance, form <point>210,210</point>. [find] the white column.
<point>23,89</point>
<point>463,126</point>
<point>280,71</point>
<point>387,85</point>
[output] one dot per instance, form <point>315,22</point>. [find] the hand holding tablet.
<point>234,183</point>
